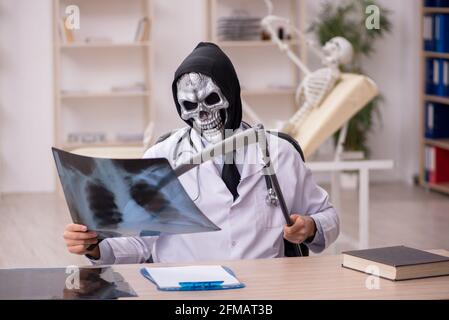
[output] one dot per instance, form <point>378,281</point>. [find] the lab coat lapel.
<point>252,161</point>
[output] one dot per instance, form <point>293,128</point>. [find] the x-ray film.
<point>127,197</point>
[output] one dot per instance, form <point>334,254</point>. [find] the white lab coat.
<point>250,228</point>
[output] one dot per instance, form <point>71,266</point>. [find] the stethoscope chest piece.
<point>272,198</point>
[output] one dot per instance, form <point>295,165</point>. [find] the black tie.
<point>230,175</point>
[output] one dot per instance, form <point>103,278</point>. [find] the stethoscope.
<point>271,198</point>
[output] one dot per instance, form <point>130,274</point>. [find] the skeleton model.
<point>202,101</point>
<point>317,84</point>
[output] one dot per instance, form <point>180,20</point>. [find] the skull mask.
<point>202,101</point>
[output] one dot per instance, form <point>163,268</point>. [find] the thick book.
<point>397,263</point>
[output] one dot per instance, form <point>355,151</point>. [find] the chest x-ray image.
<point>127,197</point>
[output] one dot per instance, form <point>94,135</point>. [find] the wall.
<point>395,68</point>
<point>26,97</point>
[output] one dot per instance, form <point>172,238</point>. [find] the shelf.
<point>268,91</point>
<point>436,10</point>
<point>71,146</point>
<point>432,54</point>
<point>252,43</point>
<point>107,45</point>
<point>437,99</point>
<point>441,187</point>
<point>441,143</point>
<point>106,94</point>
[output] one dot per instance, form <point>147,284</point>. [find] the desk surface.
<point>316,277</point>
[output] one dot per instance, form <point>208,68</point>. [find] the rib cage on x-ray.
<point>118,197</point>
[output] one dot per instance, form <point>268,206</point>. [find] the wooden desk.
<point>316,277</point>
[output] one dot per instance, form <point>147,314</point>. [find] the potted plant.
<point>347,19</point>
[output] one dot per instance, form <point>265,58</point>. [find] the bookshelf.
<point>102,73</point>
<point>429,145</point>
<point>248,55</point>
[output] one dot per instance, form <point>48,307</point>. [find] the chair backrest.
<point>350,95</point>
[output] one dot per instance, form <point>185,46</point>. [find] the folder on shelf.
<point>441,33</point>
<point>426,163</point>
<point>443,84</point>
<point>192,278</point>
<point>439,3</point>
<point>429,32</point>
<point>436,75</point>
<point>436,117</point>
<point>432,77</point>
<point>437,168</point>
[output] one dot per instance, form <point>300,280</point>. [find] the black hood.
<point>207,58</point>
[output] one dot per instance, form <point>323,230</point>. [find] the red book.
<point>439,165</point>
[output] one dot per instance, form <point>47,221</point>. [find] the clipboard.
<point>196,285</point>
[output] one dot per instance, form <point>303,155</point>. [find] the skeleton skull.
<point>202,101</point>
<point>337,51</point>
